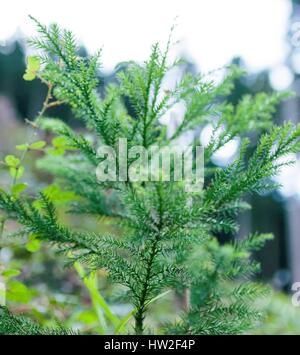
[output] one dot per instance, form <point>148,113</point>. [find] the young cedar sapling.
<point>168,242</point>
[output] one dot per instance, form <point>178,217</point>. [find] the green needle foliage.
<point>16,325</point>
<point>169,236</point>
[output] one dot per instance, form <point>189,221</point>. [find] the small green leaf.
<point>18,292</point>
<point>60,142</point>
<point>18,189</point>
<point>51,191</point>
<point>29,76</point>
<point>22,147</point>
<point>12,161</point>
<point>33,66</point>
<point>34,244</point>
<point>56,152</point>
<point>33,63</point>
<point>55,194</point>
<point>16,173</point>
<point>11,273</point>
<point>37,145</point>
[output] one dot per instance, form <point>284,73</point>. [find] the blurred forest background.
<point>51,291</point>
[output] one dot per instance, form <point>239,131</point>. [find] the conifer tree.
<point>169,236</point>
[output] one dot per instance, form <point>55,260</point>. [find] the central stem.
<point>139,317</point>
<point>142,306</point>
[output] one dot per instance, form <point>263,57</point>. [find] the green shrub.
<point>167,237</point>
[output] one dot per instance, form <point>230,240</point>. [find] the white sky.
<point>211,31</point>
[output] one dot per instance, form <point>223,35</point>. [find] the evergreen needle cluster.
<point>169,236</point>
